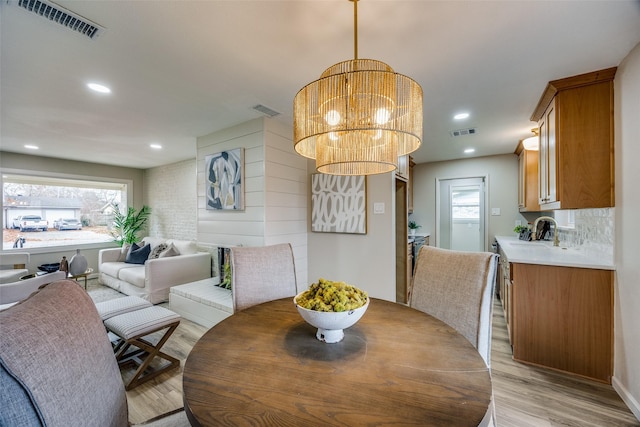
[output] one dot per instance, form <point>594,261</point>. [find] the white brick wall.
<point>170,191</point>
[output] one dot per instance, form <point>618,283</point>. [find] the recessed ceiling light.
<point>155,146</point>
<point>31,147</point>
<point>98,88</point>
<point>469,150</point>
<point>461,116</point>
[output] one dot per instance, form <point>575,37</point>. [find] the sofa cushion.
<point>134,276</point>
<point>113,268</point>
<point>138,255</point>
<point>185,247</point>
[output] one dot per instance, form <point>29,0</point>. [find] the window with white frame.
<point>45,211</point>
<point>565,218</point>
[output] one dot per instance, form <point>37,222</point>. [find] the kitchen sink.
<point>540,245</point>
<point>529,244</point>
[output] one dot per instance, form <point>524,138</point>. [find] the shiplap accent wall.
<point>170,190</point>
<point>275,180</point>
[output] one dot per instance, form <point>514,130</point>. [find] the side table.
<point>85,274</point>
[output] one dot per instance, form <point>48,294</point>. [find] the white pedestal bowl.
<point>331,324</point>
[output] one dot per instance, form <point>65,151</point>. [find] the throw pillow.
<point>155,253</point>
<point>124,250</point>
<point>169,252</point>
<point>185,247</point>
<point>138,255</point>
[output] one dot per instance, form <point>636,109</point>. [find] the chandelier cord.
<point>355,29</point>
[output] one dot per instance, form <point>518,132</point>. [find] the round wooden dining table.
<point>397,366</point>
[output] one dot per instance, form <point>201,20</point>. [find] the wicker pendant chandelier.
<point>358,117</point>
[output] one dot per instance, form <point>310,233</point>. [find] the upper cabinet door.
<point>527,179</point>
<point>547,157</point>
<point>576,157</point>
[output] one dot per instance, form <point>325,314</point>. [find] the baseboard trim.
<point>628,399</point>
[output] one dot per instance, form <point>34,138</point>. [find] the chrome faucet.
<point>556,241</point>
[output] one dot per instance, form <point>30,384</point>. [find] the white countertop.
<point>544,253</point>
<point>411,239</point>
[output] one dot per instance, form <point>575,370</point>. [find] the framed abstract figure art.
<point>224,180</point>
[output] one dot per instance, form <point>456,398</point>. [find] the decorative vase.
<point>412,232</point>
<point>78,264</point>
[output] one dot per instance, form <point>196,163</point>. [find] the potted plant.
<point>523,232</point>
<point>413,226</point>
<point>126,226</point>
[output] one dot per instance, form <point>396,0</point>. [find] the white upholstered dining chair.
<point>457,287</point>
<point>261,274</point>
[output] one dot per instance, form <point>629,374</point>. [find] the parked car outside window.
<point>67,224</point>
<point>30,222</point>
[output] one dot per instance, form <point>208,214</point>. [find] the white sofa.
<point>153,279</point>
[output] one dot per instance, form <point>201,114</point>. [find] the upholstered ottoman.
<point>118,306</point>
<point>132,327</point>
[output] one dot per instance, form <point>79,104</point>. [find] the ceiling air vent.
<point>266,110</point>
<point>62,16</point>
<point>463,132</point>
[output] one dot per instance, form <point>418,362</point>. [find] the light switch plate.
<point>495,211</point>
<point>378,208</point>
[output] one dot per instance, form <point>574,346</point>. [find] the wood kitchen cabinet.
<point>402,172</point>
<point>562,318</point>
<point>527,179</point>
<point>410,186</point>
<point>505,291</point>
<point>576,155</point>
<point>409,271</point>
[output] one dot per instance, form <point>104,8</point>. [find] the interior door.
<point>461,214</point>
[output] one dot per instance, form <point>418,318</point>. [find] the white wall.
<point>626,378</point>
<point>501,187</point>
<point>285,192</point>
<point>170,191</point>
<point>363,260</point>
<point>275,191</point>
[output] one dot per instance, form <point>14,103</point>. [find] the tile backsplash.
<point>594,230</point>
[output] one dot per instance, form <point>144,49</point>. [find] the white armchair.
<point>13,266</point>
<point>11,293</point>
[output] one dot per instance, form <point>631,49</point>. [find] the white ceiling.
<point>183,69</point>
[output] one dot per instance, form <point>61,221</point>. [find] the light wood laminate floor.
<point>524,395</point>
<point>528,396</point>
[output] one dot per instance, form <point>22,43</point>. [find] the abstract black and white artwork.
<point>338,204</point>
<point>224,180</point>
